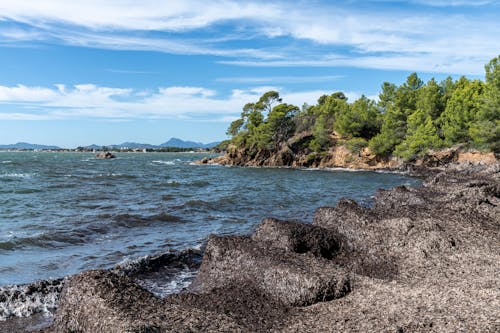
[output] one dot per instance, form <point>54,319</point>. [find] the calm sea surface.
<point>61,213</point>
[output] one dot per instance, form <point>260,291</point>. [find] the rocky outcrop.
<point>105,155</point>
<point>296,153</point>
<point>299,238</point>
<point>286,276</point>
<point>101,301</point>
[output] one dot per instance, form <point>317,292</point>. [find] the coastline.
<point>403,255</point>
<point>341,158</point>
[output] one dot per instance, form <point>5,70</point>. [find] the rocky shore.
<point>295,156</point>
<point>420,260</point>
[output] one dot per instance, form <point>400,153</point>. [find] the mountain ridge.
<point>171,143</point>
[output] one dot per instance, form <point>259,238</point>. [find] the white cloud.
<point>21,93</point>
<point>92,101</point>
<point>385,39</point>
<point>454,3</point>
<point>133,15</point>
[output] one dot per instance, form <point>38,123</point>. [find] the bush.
<point>355,145</point>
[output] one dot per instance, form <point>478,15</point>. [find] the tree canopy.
<point>405,121</point>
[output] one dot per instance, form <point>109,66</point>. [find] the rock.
<point>105,155</point>
<point>101,301</point>
<point>253,309</point>
<point>290,278</point>
<point>299,238</point>
<point>348,217</point>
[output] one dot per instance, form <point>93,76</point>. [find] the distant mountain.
<point>178,143</point>
<point>134,145</point>
<point>212,144</point>
<point>172,143</point>
<point>93,147</point>
<point>25,145</point>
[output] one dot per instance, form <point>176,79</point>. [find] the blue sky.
<point>81,72</point>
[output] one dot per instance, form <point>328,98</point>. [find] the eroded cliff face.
<point>296,153</point>
<point>293,154</point>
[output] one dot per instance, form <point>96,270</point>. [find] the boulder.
<point>101,301</point>
<point>291,278</point>
<point>105,155</point>
<point>253,309</point>
<point>299,237</point>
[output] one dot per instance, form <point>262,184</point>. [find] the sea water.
<point>62,213</point>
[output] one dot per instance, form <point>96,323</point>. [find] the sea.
<point>65,212</point>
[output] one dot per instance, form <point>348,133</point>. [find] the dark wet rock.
<point>299,238</point>
<point>101,301</point>
<point>105,155</point>
<point>175,260</point>
<point>291,278</point>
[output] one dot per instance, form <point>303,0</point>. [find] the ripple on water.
<point>133,220</point>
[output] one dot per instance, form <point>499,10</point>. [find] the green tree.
<point>361,119</point>
<point>398,105</point>
<point>485,128</point>
<point>461,111</point>
<point>235,127</point>
<point>422,136</point>
<point>325,112</point>
<point>430,99</point>
<point>280,122</point>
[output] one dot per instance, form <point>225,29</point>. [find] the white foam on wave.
<point>173,285</point>
<point>25,300</point>
<point>17,175</point>
<point>6,162</point>
<point>164,162</point>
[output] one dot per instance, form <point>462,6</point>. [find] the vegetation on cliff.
<point>406,121</point>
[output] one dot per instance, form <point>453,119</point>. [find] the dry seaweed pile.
<point>421,260</point>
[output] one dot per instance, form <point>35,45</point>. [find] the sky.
<point>74,73</point>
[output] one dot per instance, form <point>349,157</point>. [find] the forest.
<point>406,121</point>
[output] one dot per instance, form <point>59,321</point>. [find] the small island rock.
<point>105,155</point>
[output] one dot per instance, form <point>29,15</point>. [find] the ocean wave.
<point>132,220</point>
<point>190,258</point>
<point>6,162</point>
<point>7,245</point>
<point>114,175</point>
<point>25,300</point>
<point>165,273</point>
<point>162,274</point>
<point>199,183</point>
<point>17,175</point>
<point>51,239</point>
<point>163,162</point>
<point>173,183</point>
<point>27,190</point>
<point>198,204</point>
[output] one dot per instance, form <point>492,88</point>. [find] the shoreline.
<point>347,244</point>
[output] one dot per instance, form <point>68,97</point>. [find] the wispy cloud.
<point>280,79</point>
<point>454,3</point>
<point>389,38</point>
<point>89,101</point>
